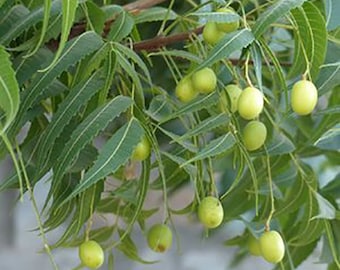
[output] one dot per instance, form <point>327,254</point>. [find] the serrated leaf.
<point>87,130</point>
<point>115,152</point>
<point>9,90</point>
<point>47,10</point>
<point>75,50</point>
<point>130,54</point>
<point>214,148</point>
<point>121,27</point>
<point>25,68</point>
<point>154,14</point>
<point>227,45</point>
<point>69,8</point>
<point>77,98</point>
<point>273,13</point>
<point>29,20</point>
<point>130,70</point>
<point>207,125</point>
<point>330,139</point>
<point>197,104</point>
<point>310,40</point>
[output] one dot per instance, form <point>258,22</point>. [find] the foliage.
<point>73,73</point>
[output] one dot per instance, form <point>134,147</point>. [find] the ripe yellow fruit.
<point>254,135</point>
<point>250,103</point>
<point>254,246</point>
<point>204,80</point>
<point>91,254</point>
<point>304,97</point>
<point>272,246</point>
<point>185,91</point>
<point>142,150</point>
<point>228,26</point>
<point>159,238</point>
<point>210,212</point>
<point>211,34</point>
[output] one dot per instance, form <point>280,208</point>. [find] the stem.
<point>16,165</point>
<point>246,71</point>
<point>35,208</point>
<point>270,182</point>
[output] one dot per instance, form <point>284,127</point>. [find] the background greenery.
<point>68,78</point>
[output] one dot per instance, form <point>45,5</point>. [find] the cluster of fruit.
<point>249,104</point>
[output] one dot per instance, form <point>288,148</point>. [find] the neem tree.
<point>169,105</point>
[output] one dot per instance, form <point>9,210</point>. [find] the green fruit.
<point>204,80</point>
<point>211,34</point>
<point>142,150</point>
<point>91,254</point>
<point>254,135</point>
<point>159,238</point>
<point>228,26</point>
<point>210,212</point>
<point>304,97</point>
<point>250,103</point>
<point>234,93</point>
<point>272,246</point>
<point>185,91</point>
<point>254,246</point>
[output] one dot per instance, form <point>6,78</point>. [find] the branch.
<point>160,41</point>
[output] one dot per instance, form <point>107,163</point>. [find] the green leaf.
<point>329,77</point>
<point>130,54</point>
<point>121,27</point>
<point>332,15</point>
<point>29,20</point>
<point>9,90</point>
<point>310,40</point>
<point>96,17</point>
<point>214,148</point>
<point>114,153</point>
<point>154,14</point>
<point>75,50</point>
<point>197,104</point>
<point>279,145</point>
<point>47,10</point>
<point>69,8</point>
<point>25,68</point>
<point>16,14</point>
<point>330,139</point>
<point>87,130</point>
<point>130,70</point>
<point>216,16</point>
<point>227,45</point>
<point>207,125</point>
<point>74,101</point>
<point>128,247</point>
<point>326,209</point>
<point>273,13</point>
